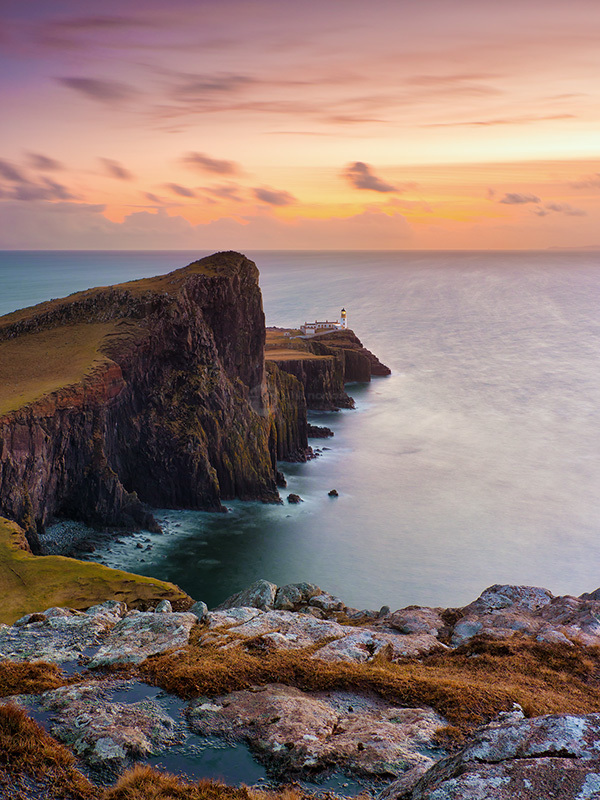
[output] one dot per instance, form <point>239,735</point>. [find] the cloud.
<point>225,192</point>
<point>116,170</point>
<point>44,225</point>
<point>273,197</point>
<point>188,85</point>
<point>589,182</point>
<point>105,91</point>
<point>182,191</point>
<point>207,164</point>
<point>513,199</point>
<point>47,190</point>
<point>360,176</point>
<point>565,208</point>
<point>41,162</point>
<point>152,197</point>
<point>11,173</point>
<point>498,121</point>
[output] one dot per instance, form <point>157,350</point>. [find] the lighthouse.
<point>344,318</point>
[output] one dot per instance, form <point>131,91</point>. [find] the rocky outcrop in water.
<point>178,411</point>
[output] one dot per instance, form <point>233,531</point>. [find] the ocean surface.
<point>476,462</point>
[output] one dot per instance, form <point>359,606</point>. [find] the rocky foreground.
<point>315,688</point>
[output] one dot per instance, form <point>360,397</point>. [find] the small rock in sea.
<point>334,493</point>
<point>294,498</point>
<point>139,546</point>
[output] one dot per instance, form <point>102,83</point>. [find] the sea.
<point>476,462</point>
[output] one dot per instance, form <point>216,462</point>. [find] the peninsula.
<point>158,391</point>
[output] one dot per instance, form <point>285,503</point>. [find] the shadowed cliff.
<point>153,391</point>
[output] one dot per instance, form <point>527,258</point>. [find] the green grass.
<point>36,364</point>
<point>33,583</point>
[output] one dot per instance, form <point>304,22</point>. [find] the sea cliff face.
<point>174,408</point>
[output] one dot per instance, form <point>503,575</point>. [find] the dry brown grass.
<point>22,678</point>
<point>29,755</point>
<point>467,686</point>
<point>145,783</point>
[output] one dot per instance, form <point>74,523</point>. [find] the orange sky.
<point>391,124</point>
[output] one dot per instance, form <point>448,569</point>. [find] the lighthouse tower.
<point>344,318</point>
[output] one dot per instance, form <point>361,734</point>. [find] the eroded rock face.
<point>294,731</point>
<point>555,756</point>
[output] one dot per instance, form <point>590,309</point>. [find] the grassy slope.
<point>33,583</point>
<point>37,364</point>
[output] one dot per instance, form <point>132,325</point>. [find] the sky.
<point>325,124</point>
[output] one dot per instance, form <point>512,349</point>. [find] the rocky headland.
<point>498,699</point>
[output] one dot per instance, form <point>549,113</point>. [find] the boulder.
<point>294,498</point>
<point>293,596</point>
<point>144,634</point>
<point>261,594</point>
<point>555,756</point>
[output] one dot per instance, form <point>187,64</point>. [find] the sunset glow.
<point>258,125</point>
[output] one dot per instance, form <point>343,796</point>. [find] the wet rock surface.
<point>296,732</point>
<point>107,734</point>
<point>109,722</point>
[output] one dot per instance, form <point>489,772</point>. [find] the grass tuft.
<point>468,686</point>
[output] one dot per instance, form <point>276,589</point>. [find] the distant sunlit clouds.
<point>388,124</point>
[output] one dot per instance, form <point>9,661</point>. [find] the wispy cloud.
<point>207,164</point>
<point>474,123</point>
<point>515,199</point>
<point>361,176</point>
<point>588,182</point>
<point>565,208</point>
<point>182,191</point>
<point>104,91</point>
<point>11,173</point>
<point>41,162</point>
<point>274,197</point>
<point>226,192</point>
<point>116,170</point>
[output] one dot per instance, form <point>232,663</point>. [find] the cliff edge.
<point>153,391</point>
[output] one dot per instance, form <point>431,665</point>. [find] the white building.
<point>311,328</point>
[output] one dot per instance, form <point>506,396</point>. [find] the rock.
<point>108,735</point>
<point>556,756</point>
<point>200,609</point>
<point>144,634</point>
<point>164,607</point>
<point>319,432</point>
<point>524,598</point>
<point>261,594</point>
<point>333,493</point>
<point>294,498</point>
<point>326,602</point>
<point>295,731</point>
<point>293,596</point>
<point>415,619</point>
<point>58,635</point>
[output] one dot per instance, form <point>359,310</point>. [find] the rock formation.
<point>361,719</point>
<point>174,406</point>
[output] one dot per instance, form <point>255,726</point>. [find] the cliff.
<point>153,391</point>
<point>323,364</point>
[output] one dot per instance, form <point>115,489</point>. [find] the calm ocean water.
<point>476,462</point>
